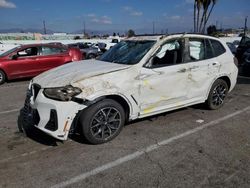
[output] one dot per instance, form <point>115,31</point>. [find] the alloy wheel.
<point>219,94</point>
<point>105,123</point>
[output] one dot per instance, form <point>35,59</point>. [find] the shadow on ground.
<point>35,134</point>
<point>243,80</point>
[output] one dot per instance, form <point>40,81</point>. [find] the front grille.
<point>52,124</point>
<point>30,116</point>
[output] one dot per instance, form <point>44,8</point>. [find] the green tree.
<point>131,33</point>
<point>212,30</point>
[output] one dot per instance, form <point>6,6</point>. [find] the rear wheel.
<point>217,94</point>
<point>2,77</point>
<point>91,56</point>
<point>102,121</point>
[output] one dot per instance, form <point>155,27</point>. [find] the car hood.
<point>76,71</point>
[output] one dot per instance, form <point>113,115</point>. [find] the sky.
<point>143,16</point>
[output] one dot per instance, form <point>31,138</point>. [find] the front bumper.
<point>50,116</point>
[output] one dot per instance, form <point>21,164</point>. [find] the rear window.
<point>218,47</point>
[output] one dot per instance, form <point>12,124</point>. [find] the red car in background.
<point>31,60</point>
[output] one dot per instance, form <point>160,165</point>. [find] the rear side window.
<point>196,49</point>
<point>209,50</point>
<point>50,51</point>
<point>217,47</point>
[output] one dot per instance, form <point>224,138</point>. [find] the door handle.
<point>182,70</point>
<point>194,67</point>
<point>215,63</point>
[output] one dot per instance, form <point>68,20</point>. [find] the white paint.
<point>141,152</point>
<point>199,121</point>
<point>10,85</point>
<point>9,111</point>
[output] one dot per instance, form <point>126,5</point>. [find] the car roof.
<point>41,44</point>
<point>176,35</point>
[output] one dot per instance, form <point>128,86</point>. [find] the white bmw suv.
<point>138,77</point>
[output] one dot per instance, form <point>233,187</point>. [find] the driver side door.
<point>24,65</point>
<point>164,80</point>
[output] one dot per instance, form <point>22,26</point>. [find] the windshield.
<point>127,52</point>
<point>8,52</point>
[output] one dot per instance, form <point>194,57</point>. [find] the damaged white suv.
<point>138,77</point>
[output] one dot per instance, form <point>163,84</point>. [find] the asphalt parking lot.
<point>191,147</point>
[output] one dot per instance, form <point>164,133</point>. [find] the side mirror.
<point>14,57</point>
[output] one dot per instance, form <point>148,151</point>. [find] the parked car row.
<point>90,51</point>
<point>30,60</point>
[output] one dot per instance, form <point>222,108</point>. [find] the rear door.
<point>202,67</point>
<point>51,57</point>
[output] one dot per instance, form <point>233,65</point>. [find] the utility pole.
<point>84,28</point>
<point>153,28</point>
<point>44,27</point>
<point>245,28</point>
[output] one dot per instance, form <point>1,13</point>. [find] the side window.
<point>209,50</point>
<point>32,51</point>
<point>81,46</point>
<point>218,47</point>
<point>168,54</point>
<point>114,41</point>
<point>50,51</point>
<point>196,49</point>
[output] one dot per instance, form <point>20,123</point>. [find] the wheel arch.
<point>116,97</point>
<point>6,76</point>
<point>227,80</point>
<point>224,78</point>
<point>119,99</point>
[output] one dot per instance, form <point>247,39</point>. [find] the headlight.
<point>62,93</point>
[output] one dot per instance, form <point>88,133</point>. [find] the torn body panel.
<point>58,123</point>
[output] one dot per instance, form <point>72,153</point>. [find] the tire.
<point>91,56</point>
<point>102,121</point>
<point>2,77</point>
<point>217,94</point>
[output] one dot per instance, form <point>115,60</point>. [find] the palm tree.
<point>206,20</point>
<point>195,16</point>
<point>198,4</point>
<point>205,5</point>
<point>200,24</point>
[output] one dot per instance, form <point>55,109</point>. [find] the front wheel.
<point>102,121</point>
<point>217,94</point>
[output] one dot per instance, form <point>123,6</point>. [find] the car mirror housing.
<point>14,57</point>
